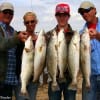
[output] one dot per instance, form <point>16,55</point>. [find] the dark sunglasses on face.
<point>8,12</point>
<point>82,11</point>
<point>32,21</point>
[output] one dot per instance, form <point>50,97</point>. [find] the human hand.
<point>23,36</point>
<point>92,33</point>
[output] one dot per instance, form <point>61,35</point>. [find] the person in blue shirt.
<point>88,12</point>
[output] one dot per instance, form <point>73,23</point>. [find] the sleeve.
<point>7,43</point>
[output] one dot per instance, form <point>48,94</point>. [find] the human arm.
<point>7,43</point>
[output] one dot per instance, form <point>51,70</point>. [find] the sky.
<point>45,11</point>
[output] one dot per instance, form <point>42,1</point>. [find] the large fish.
<point>40,55</point>
<point>62,55</point>
<point>52,55</point>
<point>27,64</point>
<point>85,57</point>
<point>73,59</point>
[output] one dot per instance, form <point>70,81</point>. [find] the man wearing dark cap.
<point>62,15</point>
<point>8,41</point>
<point>88,12</point>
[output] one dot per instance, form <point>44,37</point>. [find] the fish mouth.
<point>27,50</point>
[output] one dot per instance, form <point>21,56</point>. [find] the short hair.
<point>30,14</point>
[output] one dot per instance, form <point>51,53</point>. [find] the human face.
<point>62,19</point>
<point>30,23</point>
<point>7,16</point>
<point>88,14</point>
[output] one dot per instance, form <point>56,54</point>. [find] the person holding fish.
<point>56,61</point>
<point>30,22</point>
<point>88,12</point>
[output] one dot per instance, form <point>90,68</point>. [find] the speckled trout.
<point>57,58</point>
<point>73,59</point>
<point>85,57</point>
<point>27,64</point>
<point>40,55</point>
<point>62,55</point>
<point>52,59</point>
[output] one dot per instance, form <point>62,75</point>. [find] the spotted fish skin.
<point>40,55</point>
<point>51,59</point>
<point>62,55</point>
<point>85,57</point>
<point>73,59</point>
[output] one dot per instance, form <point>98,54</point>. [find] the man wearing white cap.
<point>88,12</point>
<point>62,15</point>
<point>8,42</point>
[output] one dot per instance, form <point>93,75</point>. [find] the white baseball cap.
<point>6,5</point>
<point>86,5</point>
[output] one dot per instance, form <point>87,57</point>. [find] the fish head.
<point>42,34</point>
<point>61,35</point>
<point>61,30</point>
<point>29,44</point>
<point>85,35</point>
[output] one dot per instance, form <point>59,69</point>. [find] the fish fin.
<point>40,48</point>
<point>87,85</point>
<point>24,93</point>
<point>27,50</point>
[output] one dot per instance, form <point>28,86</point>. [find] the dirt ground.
<point>43,91</point>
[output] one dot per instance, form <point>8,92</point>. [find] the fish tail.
<point>24,92</point>
<point>35,80</point>
<point>55,87</point>
<point>87,85</point>
<point>23,88</point>
<point>73,86</point>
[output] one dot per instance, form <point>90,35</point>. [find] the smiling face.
<point>88,14</point>
<point>30,22</point>
<point>7,16</point>
<point>62,19</point>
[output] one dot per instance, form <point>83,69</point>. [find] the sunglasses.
<point>82,11</point>
<point>8,12</point>
<point>32,22</point>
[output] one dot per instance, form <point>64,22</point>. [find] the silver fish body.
<point>27,64</point>
<point>85,57</point>
<point>73,59</point>
<point>57,58</point>
<point>51,59</point>
<point>62,55</point>
<point>40,55</point>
